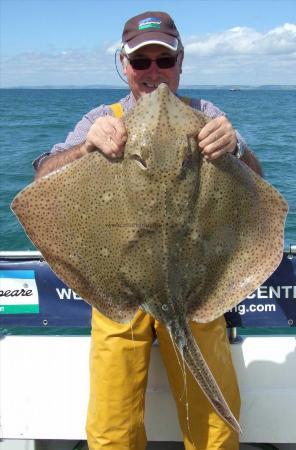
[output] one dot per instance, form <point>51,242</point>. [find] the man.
<point>151,53</point>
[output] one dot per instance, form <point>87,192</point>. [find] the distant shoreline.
<point>230,87</point>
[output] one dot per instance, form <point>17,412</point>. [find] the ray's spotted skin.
<point>162,228</point>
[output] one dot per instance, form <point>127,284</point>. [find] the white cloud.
<point>112,48</point>
<point>238,55</point>
<point>70,60</point>
<point>74,66</point>
<point>245,41</point>
<point>243,55</point>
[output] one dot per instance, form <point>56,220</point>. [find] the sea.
<point>33,120</point>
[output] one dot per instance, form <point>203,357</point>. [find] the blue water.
<point>33,120</point>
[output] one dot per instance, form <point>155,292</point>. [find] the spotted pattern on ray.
<point>161,229</point>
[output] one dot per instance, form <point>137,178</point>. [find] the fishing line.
<point>133,339</point>
<point>133,387</point>
<point>115,61</point>
<point>181,365</point>
<point>185,386</point>
<point>187,402</point>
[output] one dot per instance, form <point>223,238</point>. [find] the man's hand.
<point>107,134</point>
<point>217,138</point>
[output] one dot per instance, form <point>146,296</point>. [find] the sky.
<point>72,42</point>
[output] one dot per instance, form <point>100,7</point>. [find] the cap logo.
<point>150,22</point>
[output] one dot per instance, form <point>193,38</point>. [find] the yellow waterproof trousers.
<point>119,360</point>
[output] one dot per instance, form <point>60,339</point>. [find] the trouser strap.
<point>117,109</point>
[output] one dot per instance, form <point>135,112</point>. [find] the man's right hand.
<point>107,134</point>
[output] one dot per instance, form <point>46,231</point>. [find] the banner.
<point>273,304</point>
<point>55,304</point>
<point>32,296</point>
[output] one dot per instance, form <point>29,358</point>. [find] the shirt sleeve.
<point>210,110</point>
<point>78,135</point>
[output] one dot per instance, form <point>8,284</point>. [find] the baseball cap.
<point>151,27</point>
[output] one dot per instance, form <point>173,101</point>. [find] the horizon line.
<point>115,86</point>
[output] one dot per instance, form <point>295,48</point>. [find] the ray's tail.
<point>189,350</point>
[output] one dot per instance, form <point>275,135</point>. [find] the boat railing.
<point>53,306</point>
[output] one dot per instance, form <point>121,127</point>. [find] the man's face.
<point>145,81</point>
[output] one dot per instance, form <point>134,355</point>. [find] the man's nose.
<point>153,67</point>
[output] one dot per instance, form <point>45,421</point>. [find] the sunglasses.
<point>163,62</point>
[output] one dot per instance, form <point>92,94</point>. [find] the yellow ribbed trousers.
<point>119,359</point>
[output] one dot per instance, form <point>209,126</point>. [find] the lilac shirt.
<point>78,135</point>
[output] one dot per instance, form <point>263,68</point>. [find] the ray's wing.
<point>76,217</point>
<point>235,240</point>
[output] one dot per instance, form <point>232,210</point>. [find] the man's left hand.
<point>217,138</point>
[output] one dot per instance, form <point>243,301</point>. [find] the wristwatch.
<point>239,150</point>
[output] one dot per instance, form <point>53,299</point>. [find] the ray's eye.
<point>141,162</point>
